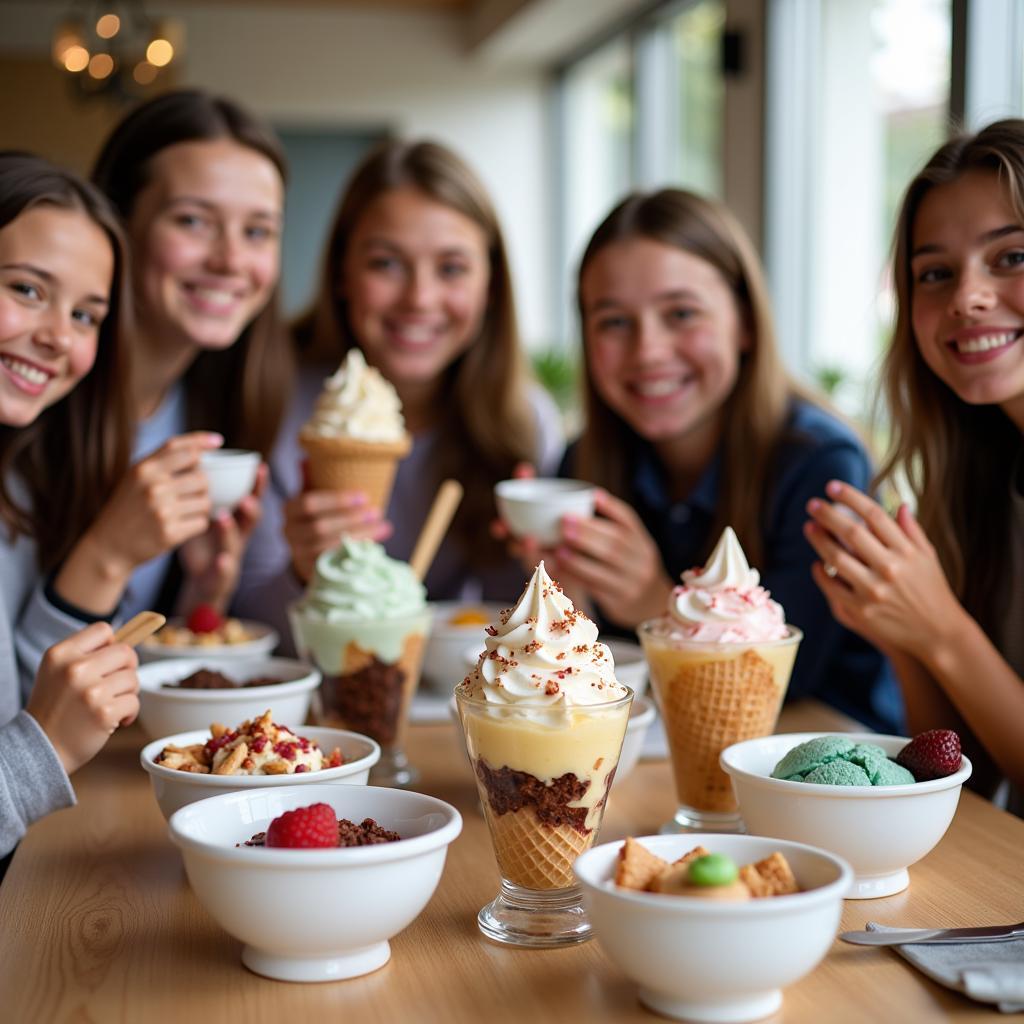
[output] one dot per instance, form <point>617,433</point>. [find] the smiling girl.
<point>417,277</point>
<point>942,593</point>
<point>63,427</point>
<point>692,425</point>
<point>199,185</point>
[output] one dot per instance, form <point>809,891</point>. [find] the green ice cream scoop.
<point>713,869</point>
<point>838,773</point>
<point>838,761</point>
<point>358,581</point>
<point>807,756</point>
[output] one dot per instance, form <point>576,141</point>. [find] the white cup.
<point>231,475</point>
<point>534,506</point>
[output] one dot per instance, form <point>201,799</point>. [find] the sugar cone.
<point>345,464</point>
<point>533,854</point>
<point>707,706</point>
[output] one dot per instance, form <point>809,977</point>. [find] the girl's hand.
<point>162,502</point>
<point>316,521</point>
<point>212,562</point>
<point>881,576</point>
<point>85,687</point>
<point>613,558</point>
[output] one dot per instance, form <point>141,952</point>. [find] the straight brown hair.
<point>485,422</point>
<point>953,454</point>
<point>74,454</point>
<point>756,411</point>
<point>241,391</point>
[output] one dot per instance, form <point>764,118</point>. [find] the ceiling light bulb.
<point>160,53</point>
<point>108,26</point>
<point>76,58</point>
<point>101,65</point>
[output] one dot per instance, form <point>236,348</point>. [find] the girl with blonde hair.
<point>692,425</point>
<point>940,591</point>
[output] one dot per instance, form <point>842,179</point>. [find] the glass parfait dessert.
<point>544,719</point>
<point>720,661</point>
<point>364,622</point>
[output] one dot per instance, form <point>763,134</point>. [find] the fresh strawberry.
<point>304,828</point>
<point>931,755</point>
<point>205,619</point>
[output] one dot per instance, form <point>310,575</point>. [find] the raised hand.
<point>85,687</point>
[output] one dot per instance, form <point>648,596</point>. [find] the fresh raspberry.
<point>304,828</point>
<point>931,755</point>
<point>205,619</point>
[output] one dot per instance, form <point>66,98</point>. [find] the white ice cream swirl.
<point>357,402</point>
<point>724,602</point>
<point>544,653</point>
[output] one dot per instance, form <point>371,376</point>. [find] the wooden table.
<point>97,921</point>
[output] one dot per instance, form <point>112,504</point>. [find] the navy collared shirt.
<point>832,664</point>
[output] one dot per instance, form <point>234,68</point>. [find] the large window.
<point>874,80</point>
<point>642,110</point>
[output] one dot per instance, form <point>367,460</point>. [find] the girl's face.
<point>205,234</point>
<point>967,306</point>
<point>415,279</point>
<point>663,339</point>
<point>56,268</point>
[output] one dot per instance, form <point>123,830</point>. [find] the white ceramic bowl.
<point>315,915</point>
<point>641,714</point>
<point>880,830</point>
<point>230,474</point>
<point>444,664</point>
<point>174,789</point>
<point>166,710</point>
<point>534,506</point>
<point>264,640</point>
<point>704,960</point>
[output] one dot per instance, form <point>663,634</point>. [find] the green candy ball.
<point>713,869</point>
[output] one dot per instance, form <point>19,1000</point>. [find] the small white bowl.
<point>164,710</point>
<point>315,915</point>
<point>443,663</point>
<point>174,789</point>
<point>880,830</point>
<point>230,475</point>
<point>705,960</point>
<point>264,640</point>
<point>534,506</point>
<point>641,715</point>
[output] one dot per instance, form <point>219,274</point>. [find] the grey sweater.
<point>32,780</point>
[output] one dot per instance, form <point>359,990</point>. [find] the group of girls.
<point>139,328</point>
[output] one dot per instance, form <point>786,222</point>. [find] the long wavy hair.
<point>755,412</point>
<point>241,391</point>
<point>484,419</point>
<point>953,454</point>
<point>70,459</point>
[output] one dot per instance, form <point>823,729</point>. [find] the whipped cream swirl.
<point>544,653</point>
<point>357,402</point>
<point>724,602</point>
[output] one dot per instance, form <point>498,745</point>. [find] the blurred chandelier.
<point>115,48</point>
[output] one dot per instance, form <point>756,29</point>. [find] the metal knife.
<point>900,936</point>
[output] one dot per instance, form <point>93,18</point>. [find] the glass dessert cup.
<point>370,668</point>
<point>712,695</point>
<point>543,775</point>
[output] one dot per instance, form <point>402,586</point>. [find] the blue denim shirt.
<point>833,664</point>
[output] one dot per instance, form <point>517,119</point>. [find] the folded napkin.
<point>991,972</point>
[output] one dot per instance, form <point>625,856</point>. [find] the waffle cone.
<point>533,854</point>
<point>345,464</point>
<point>707,706</point>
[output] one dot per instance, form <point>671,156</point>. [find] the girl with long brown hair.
<point>692,425</point>
<point>199,185</point>
<point>417,276</point>
<point>940,590</point>
<point>63,447</point>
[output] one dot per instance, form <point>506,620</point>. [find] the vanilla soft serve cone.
<point>356,435</point>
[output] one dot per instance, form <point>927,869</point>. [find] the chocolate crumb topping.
<point>368,701</point>
<point>511,790</point>
<point>366,833</point>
